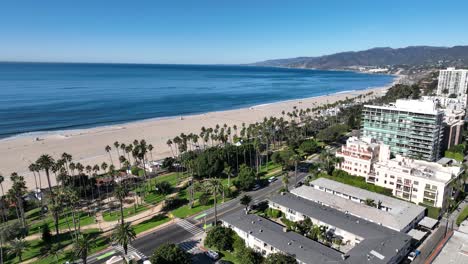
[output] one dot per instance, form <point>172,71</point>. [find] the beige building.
<point>359,155</point>
<point>453,83</point>
<point>417,181</point>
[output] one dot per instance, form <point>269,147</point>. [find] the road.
<point>187,232</point>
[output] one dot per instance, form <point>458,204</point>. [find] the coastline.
<point>87,145</point>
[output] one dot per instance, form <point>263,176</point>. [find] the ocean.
<point>41,97</point>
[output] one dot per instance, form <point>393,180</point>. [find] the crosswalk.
<point>193,229</point>
<point>190,246</point>
<point>130,250</point>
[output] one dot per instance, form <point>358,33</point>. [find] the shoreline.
<point>64,132</point>
<point>87,145</point>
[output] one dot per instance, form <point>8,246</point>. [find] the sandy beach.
<point>87,145</point>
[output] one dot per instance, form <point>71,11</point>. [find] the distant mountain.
<point>409,56</point>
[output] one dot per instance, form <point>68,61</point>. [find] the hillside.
<point>383,57</point>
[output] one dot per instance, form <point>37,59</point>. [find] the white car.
<point>212,254</point>
<point>413,255</point>
<point>272,179</point>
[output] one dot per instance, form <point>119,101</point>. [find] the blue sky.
<point>220,31</point>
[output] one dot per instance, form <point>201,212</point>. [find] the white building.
<point>453,83</point>
<point>390,212</point>
<point>417,181</point>
<point>359,155</point>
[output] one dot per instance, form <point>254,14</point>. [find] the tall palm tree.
<point>214,186</point>
<point>2,179</point>
<point>32,168</point>
<point>17,190</point>
<point>124,234</point>
<point>121,192</point>
<point>285,180</point>
<point>46,162</point>
<point>108,149</point>
<point>117,146</point>
<point>295,159</point>
<point>17,246</point>
<point>82,246</point>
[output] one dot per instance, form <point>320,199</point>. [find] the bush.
<point>279,258</point>
<point>432,212</point>
<point>173,203</point>
<point>462,216</point>
<point>456,152</point>
<point>163,188</point>
<point>204,199</point>
<point>356,181</point>
<point>220,238</point>
<point>46,234</point>
<point>273,213</point>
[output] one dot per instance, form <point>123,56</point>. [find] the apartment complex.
<point>411,128</point>
<point>453,83</point>
<point>386,211</point>
<point>360,154</point>
<point>367,242</point>
<point>416,181</point>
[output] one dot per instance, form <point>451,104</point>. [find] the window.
<point>415,183</point>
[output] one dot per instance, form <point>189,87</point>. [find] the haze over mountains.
<point>410,56</point>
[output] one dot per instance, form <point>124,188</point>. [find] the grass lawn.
<point>462,216</point>
<point>228,256</point>
<point>356,181</point>
<point>432,212</point>
<point>34,247</point>
<point>186,211</point>
<point>129,211</point>
<point>84,219</point>
<point>150,223</point>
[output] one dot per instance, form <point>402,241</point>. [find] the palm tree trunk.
<point>122,217</point>
<point>215,208</point>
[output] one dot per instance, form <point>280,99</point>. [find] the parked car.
<point>212,254</point>
<point>272,179</point>
<point>256,187</point>
<point>299,184</point>
<point>413,255</point>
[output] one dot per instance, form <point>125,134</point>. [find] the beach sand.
<point>87,145</point>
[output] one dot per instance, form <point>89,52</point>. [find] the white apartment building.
<point>417,181</point>
<point>359,155</point>
<point>453,83</point>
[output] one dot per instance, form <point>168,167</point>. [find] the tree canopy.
<point>170,254</point>
<point>220,238</point>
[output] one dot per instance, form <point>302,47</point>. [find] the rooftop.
<point>455,250</point>
<point>397,219</point>
<point>414,106</point>
<point>269,232</point>
<point>420,168</point>
<point>397,206</point>
<point>379,243</point>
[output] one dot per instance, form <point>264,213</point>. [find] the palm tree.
<point>82,246</point>
<point>2,179</point>
<point>17,246</point>
<point>120,193</point>
<point>228,172</point>
<point>108,149</point>
<point>295,159</point>
<point>214,186</point>
<point>46,162</point>
<point>150,148</point>
<point>18,189</point>
<point>124,234</point>
<point>32,168</point>
<point>370,202</point>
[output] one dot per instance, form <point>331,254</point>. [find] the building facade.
<point>417,181</point>
<point>411,128</point>
<point>360,154</point>
<point>453,83</point>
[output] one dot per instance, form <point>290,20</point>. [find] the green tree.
<point>170,254</point>
<point>17,247</point>
<point>46,162</point>
<point>309,147</point>
<point>214,186</point>
<point>124,234</point>
<point>332,133</point>
<point>245,200</point>
<point>278,258</point>
<point>220,238</point>
<point>46,234</point>
<point>163,188</point>
<point>370,202</point>
<point>18,189</point>
<point>246,178</point>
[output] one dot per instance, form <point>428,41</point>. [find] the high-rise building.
<point>453,83</point>
<point>411,128</point>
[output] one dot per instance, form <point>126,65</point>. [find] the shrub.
<point>462,216</point>
<point>163,188</point>
<point>173,203</point>
<point>279,258</point>
<point>170,254</point>
<point>204,199</point>
<point>273,213</point>
<point>309,147</point>
<point>356,181</point>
